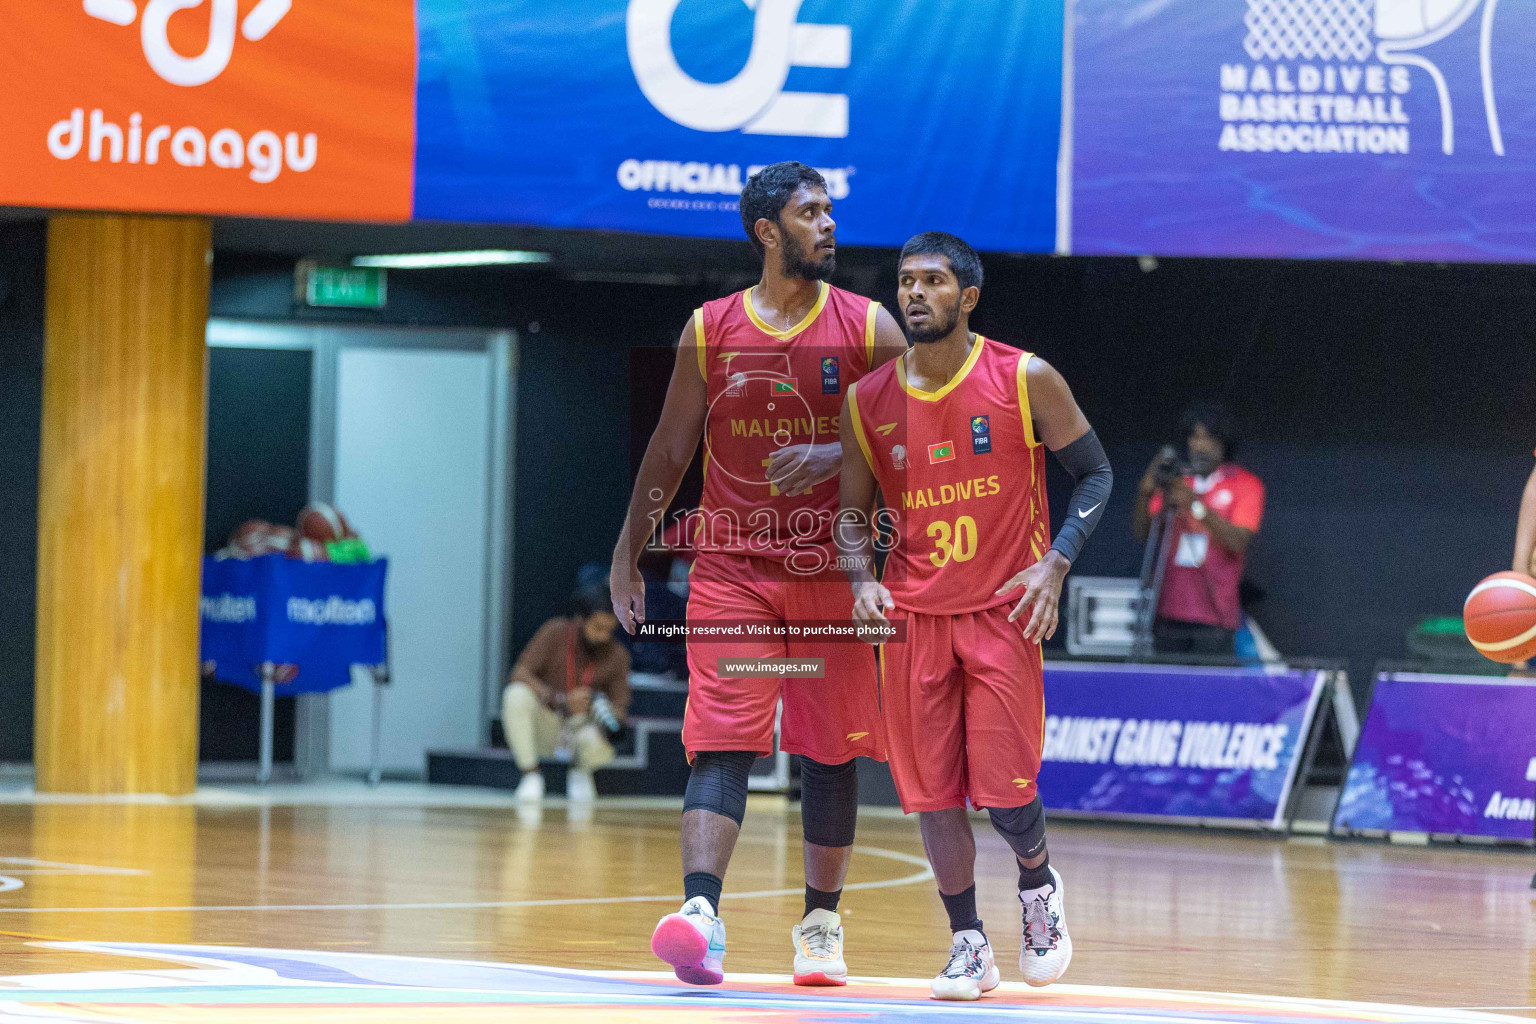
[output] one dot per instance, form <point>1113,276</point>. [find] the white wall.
<point>412,473</point>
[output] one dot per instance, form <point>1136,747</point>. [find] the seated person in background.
<point>1218,508</point>
<point>571,682</point>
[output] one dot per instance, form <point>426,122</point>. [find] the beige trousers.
<point>533,731</point>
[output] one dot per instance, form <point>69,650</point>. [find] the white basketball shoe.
<point>531,787</point>
<point>579,787</point>
<point>1047,948</point>
<point>818,942</point>
<point>693,942</point>
<point>971,970</point>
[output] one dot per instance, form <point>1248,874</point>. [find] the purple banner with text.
<point>1149,741</point>
<point>1448,755</point>
<point>1341,129</point>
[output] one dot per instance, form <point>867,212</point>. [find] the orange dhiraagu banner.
<point>264,108</point>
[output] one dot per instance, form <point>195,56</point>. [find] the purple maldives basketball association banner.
<point>1146,741</point>
<point>1447,755</point>
<point>1350,129</point>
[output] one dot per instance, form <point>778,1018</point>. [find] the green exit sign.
<point>347,287</point>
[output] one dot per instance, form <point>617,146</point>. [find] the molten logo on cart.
<point>332,611</point>
<point>275,108</point>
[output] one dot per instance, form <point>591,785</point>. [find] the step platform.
<point>651,762</point>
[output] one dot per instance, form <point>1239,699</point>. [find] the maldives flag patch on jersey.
<point>944,451</point>
<point>785,387</point>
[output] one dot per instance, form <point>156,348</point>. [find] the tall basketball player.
<point>953,434</point>
<point>761,374</point>
<point>1525,542</point>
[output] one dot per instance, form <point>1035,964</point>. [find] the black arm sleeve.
<point>1089,466</point>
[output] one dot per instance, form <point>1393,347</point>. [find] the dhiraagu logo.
<point>104,138</point>
<point>155,35</point>
<point>754,101</point>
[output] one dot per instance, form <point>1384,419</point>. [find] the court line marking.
<point>900,1003</point>
<point>926,874</point>
<point>31,866</point>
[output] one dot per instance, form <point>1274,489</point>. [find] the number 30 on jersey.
<point>957,543</point>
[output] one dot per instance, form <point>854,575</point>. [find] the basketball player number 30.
<point>958,543</point>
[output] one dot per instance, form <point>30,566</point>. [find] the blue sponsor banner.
<point>1448,755</point>
<point>1393,129</point>
<point>1148,741</point>
<point>321,618</point>
<point>649,115</point>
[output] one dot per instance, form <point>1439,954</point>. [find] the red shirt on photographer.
<point>1200,583</point>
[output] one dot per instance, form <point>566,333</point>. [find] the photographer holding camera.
<point>1216,507</point>
<point>570,687</point>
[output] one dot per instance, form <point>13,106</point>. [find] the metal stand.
<point>376,675</point>
<point>268,706</point>
<point>376,744</point>
<point>1154,563</point>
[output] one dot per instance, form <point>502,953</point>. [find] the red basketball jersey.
<point>962,475</point>
<point>770,389</point>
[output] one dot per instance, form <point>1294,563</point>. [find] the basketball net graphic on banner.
<point>1391,30</point>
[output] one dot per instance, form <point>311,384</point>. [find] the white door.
<point>413,473</point>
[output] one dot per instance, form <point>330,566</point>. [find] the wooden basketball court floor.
<point>409,904</point>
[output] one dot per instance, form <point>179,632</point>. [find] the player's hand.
<point>798,468</point>
<point>628,589</point>
<point>1042,590</point>
<point>870,603</point>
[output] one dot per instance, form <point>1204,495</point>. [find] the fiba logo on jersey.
<point>1332,76</point>
<point>154,33</point>
<point>755,101</point>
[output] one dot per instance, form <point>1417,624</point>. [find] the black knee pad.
<point>1022,827</point>
<point>718,783</point>
<point>829,802</point>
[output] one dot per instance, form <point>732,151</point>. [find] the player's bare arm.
<point>800,467</point>
<point>671,449</point>
<point>1525,531</point>
<point>1061,426</point>
<point>854,530</point>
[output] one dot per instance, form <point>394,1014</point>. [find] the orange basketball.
<point>1500,617</point>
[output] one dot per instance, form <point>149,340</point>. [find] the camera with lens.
<point>1170,467</point>
<point>602,713</point>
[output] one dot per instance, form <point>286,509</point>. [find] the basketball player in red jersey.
<point>761,374</point>
<point>953,434</point>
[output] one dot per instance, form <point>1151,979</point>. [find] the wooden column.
<point>120,511</point>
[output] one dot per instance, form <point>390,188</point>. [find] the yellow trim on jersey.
<point>698,335</point>
<point>869,336</point>
<point>858,425</point>
<point>1029,422</point>
<point>698,529</point>
<point>954,382</point>
<point>774,332</point>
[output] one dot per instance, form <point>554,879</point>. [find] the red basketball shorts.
<point>964,700</point>
<point>830,720</point>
